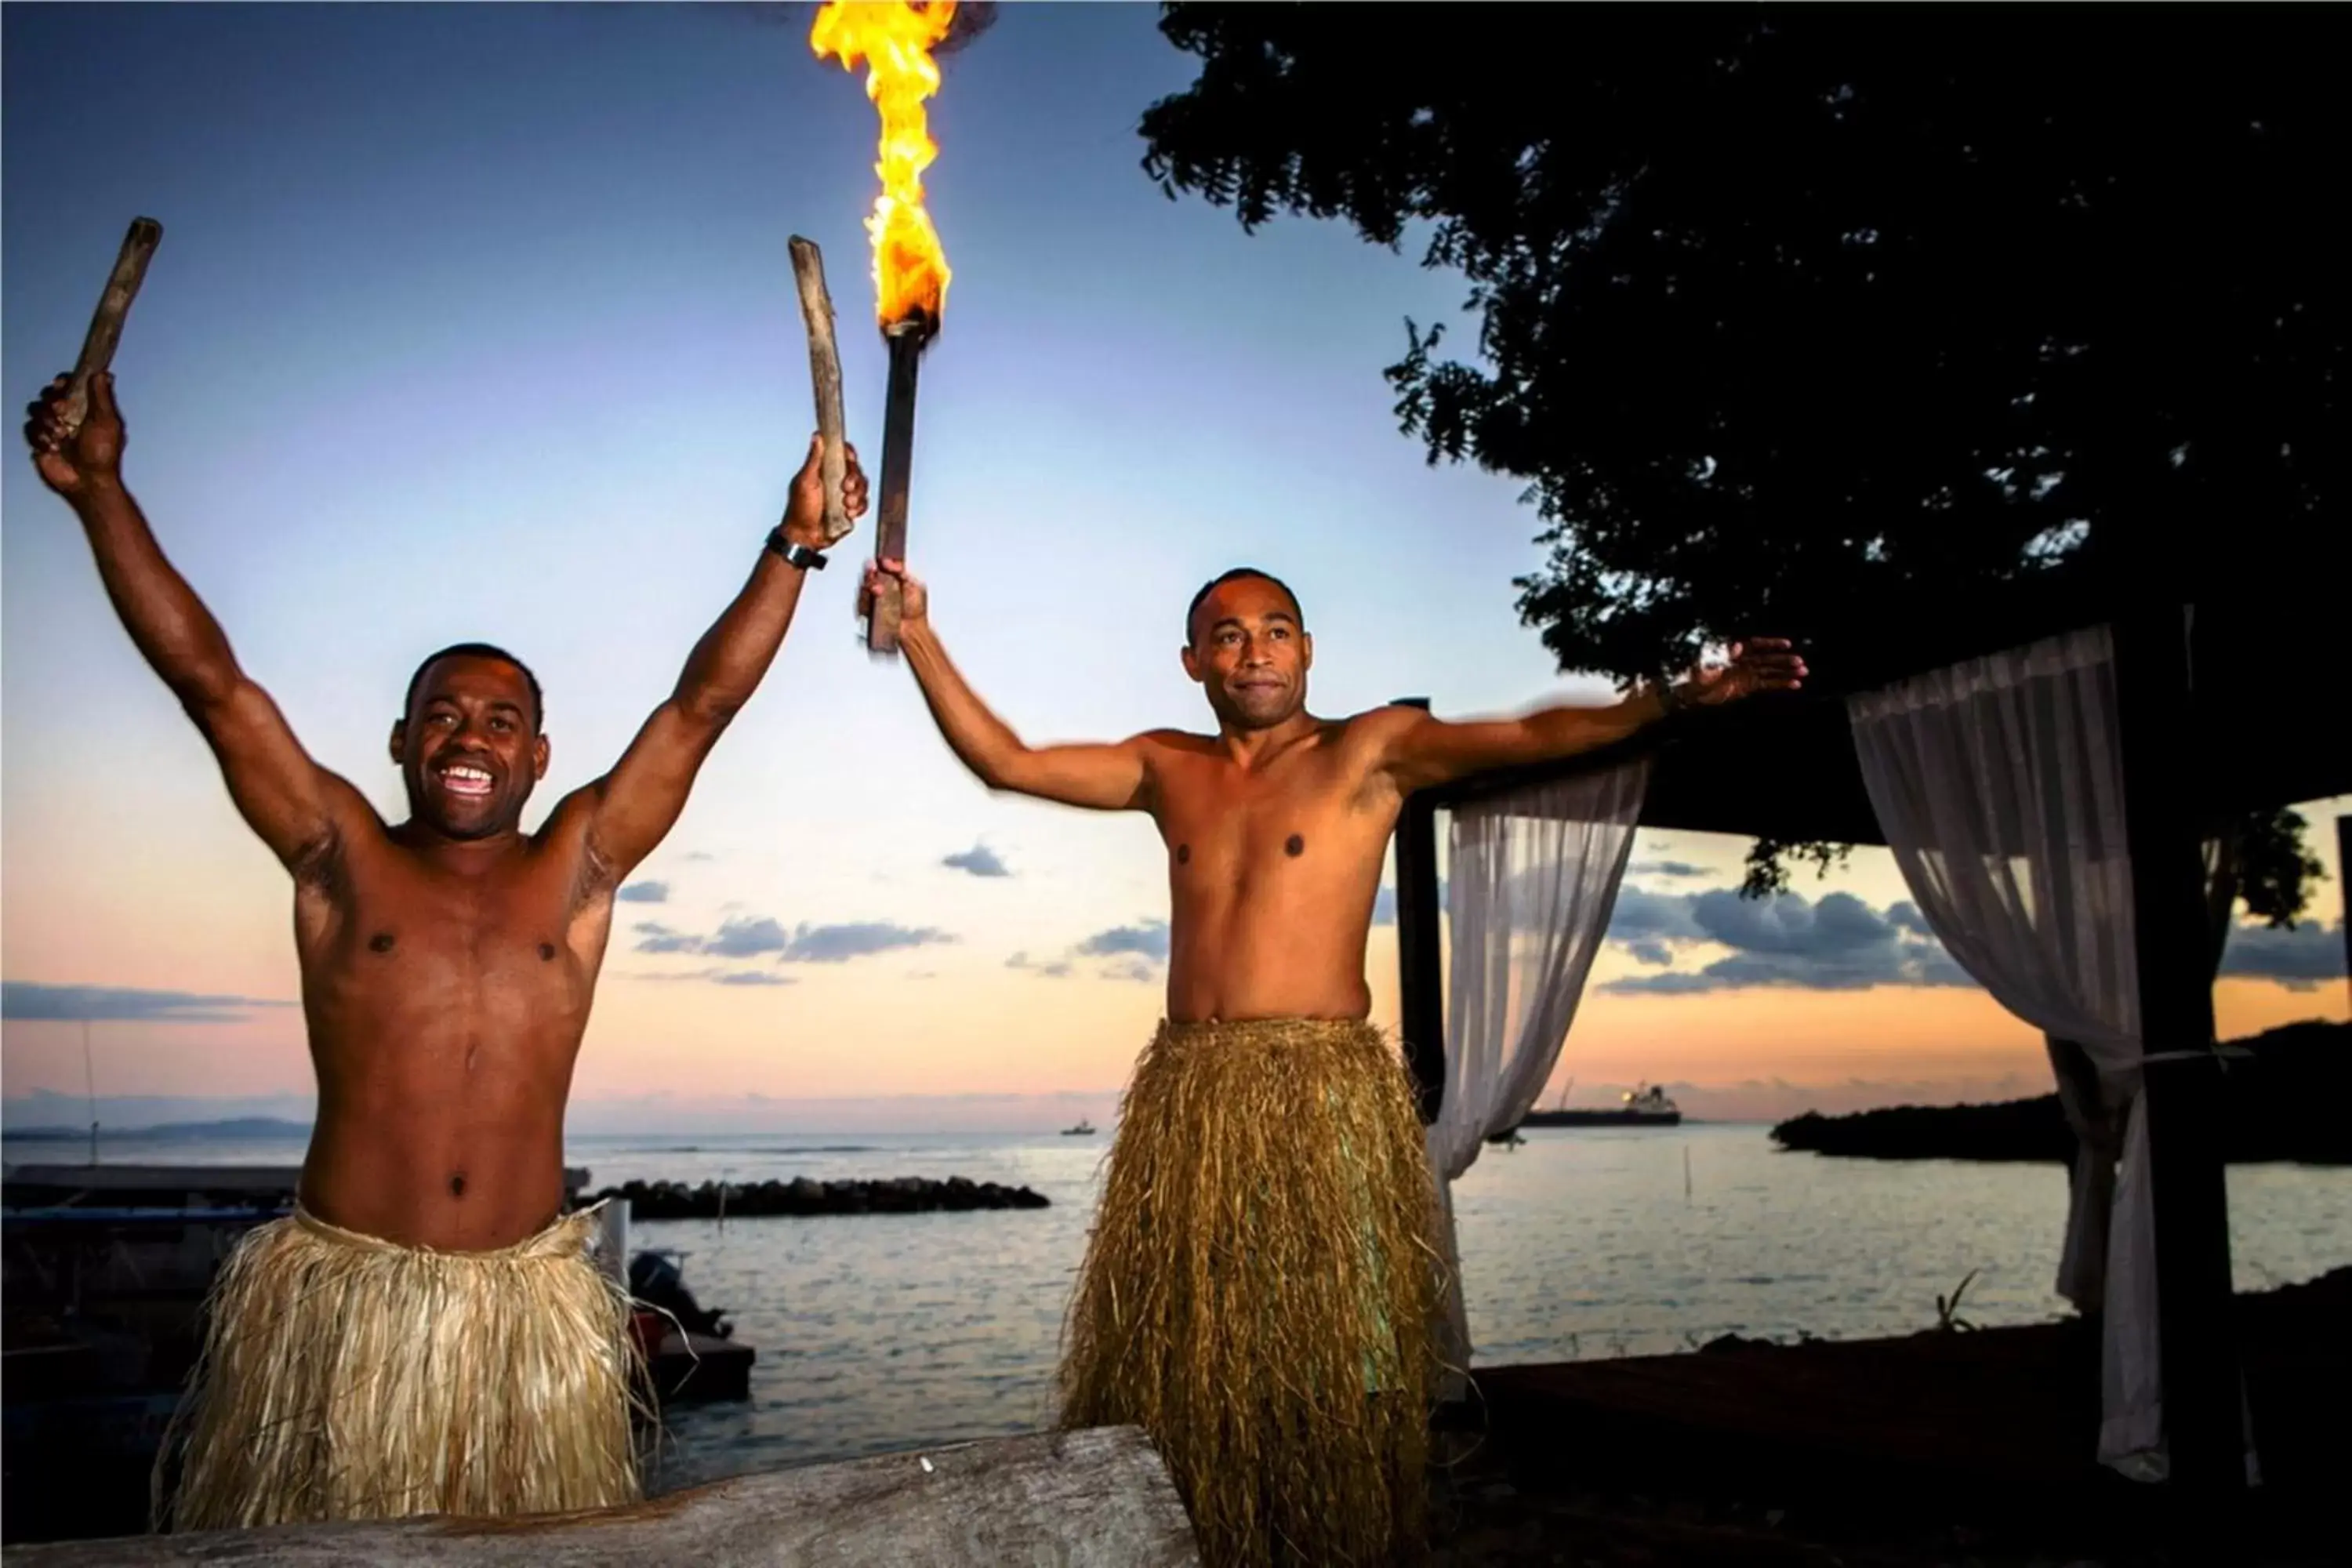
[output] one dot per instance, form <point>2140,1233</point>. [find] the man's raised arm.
<point>1098,777</point>
<point>294,804</point>
<point>1420,751</point>
<point>633,807</point>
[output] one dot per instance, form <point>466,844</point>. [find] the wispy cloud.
<point>1665,868</point>
<point>1145,939</point>
<point>29,1001</point>
<point>752,936</point>
<point>654,937</point>
<point>1055,968</point>
<point>980,860</point>
<point>1134,969</point>
<point>644,893</point>
<point>839,943</point>
<point>747,939</point>
<point>717,976</point>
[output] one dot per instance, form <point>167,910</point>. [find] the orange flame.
<point>894,39</point>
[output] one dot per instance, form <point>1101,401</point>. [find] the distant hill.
<point>2287,1101</point>
<point>257,1127</point>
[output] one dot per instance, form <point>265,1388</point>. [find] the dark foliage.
<point>1875,329</point>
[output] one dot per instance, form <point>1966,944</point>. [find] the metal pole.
<point>1421,988</point>
<point>90,1087</point>
<point>2162,810</point>
<point>2344,870</point>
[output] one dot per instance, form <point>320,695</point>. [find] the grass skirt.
<point>347,1377</point>
<point>1260,1294</point>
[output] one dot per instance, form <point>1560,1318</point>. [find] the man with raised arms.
<point>426,1333</point>
<point>1259,1292</point>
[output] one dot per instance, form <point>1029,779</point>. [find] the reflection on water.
<point>884,1333</point>
<point>888,1332</point>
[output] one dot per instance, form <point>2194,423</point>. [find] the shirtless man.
<point>448,964</point>
<point>1259,1257</point>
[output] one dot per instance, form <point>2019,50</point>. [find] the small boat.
<point>690,1349</point>
<point>1085,1129</point>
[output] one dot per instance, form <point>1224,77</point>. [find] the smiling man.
<point>426,1334</point>
<point>1259,1293</point>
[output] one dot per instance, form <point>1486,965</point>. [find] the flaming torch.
<point>895,39</point>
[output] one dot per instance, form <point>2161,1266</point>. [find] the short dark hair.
<point>1221,578</point>
<point>478,651</point>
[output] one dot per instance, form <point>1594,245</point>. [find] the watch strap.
<point>794,554</point>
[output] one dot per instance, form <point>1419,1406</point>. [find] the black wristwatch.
<point>792,554</point>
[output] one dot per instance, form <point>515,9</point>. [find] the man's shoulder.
<point>1380,724</point>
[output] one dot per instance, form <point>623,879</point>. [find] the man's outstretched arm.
<point>289,800</point>
<point>1420,751</point>
<point>1099,777</point>
<point>633,807</point>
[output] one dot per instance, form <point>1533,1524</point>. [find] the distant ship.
<point>1648,1106</point>
<point>1085,1129</point>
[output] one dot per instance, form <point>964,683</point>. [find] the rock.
<point>802,1196</point>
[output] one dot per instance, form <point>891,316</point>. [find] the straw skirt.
<point>1260,1293</point>
<point>346,1377</point>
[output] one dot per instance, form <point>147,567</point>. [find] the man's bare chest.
<point>1316,813</point>
<point>391,923</point>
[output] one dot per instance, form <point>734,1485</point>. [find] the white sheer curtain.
<point>2000,786</point>
<point>1532,882</point>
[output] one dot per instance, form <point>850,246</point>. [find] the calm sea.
<point>883,1332</point>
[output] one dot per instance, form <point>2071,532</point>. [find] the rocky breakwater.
<point>802,1198</point>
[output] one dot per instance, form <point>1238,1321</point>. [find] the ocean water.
<point>880,1332</point>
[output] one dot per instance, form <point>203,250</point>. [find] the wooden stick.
<point>824,374</point>
<point>906,340</point>
<point>106,322</point>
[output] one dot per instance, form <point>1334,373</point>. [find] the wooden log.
<point>106,322</point>
<point>824,377</point>
<point>1099,1498</point>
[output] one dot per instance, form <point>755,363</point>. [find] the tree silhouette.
<point>1868,328</point>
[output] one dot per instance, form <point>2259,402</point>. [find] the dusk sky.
<point>478,322</point>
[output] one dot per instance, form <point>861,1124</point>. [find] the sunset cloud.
<point>2298,959</point>
<point>747,936</point>
<point>839,943</point>
<point>644,893</point>
<point>1147,939</point>
<point>654,937</point>
<point>721,977</point>
<point>980,860</point>
<point>27,1002</point>
<point>747,939</point>
<point>1840,943</point>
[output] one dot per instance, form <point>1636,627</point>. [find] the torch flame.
<point>895,39</point>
